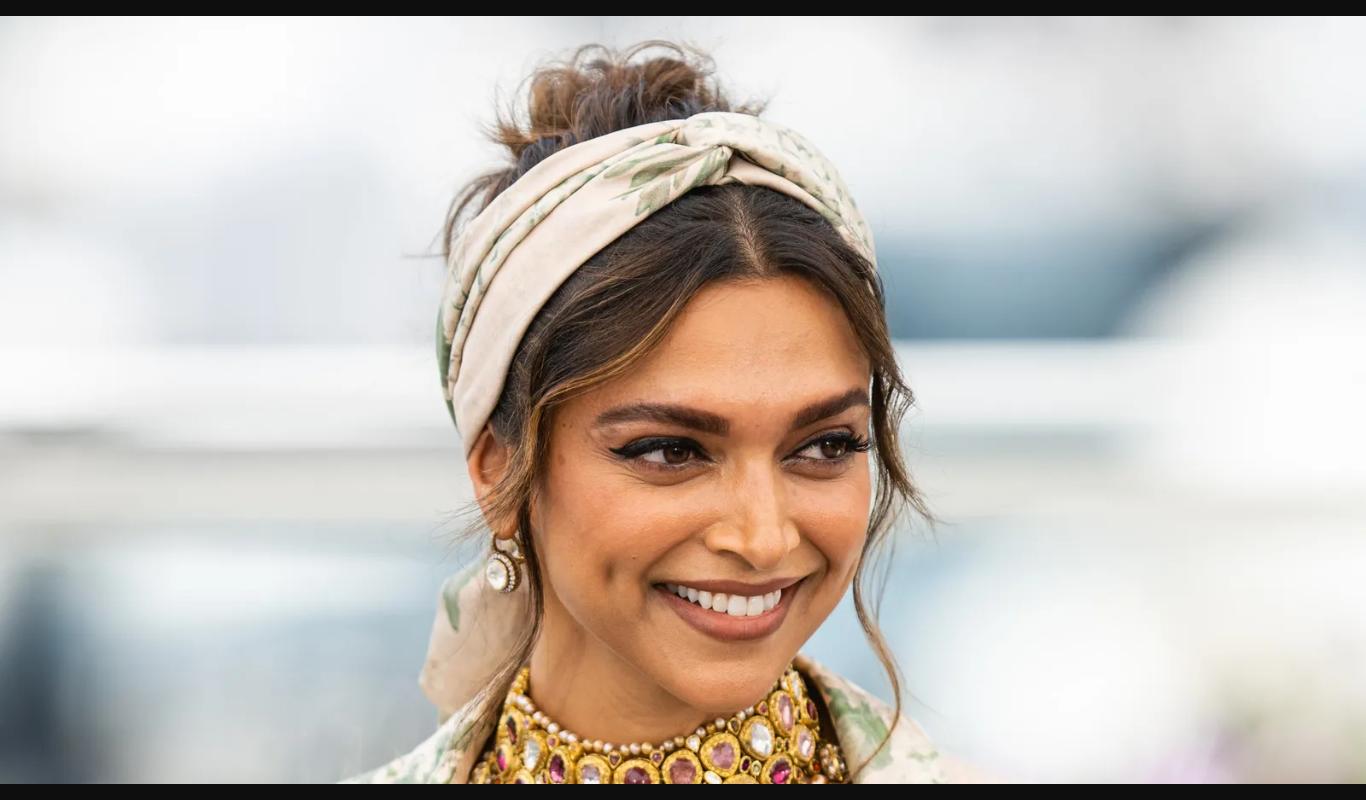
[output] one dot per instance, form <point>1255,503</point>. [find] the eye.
<point>835,447</point>
<point>672,453</point>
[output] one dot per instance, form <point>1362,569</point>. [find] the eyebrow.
<point>717,425</point>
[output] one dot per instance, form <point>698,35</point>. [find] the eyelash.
<point>633,451</point>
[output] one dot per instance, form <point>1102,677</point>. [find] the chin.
<point>724,686</point>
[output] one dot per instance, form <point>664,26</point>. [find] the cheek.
<point>605,535</point>
<point>834,518</point>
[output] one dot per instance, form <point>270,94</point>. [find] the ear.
<point>487,462</point>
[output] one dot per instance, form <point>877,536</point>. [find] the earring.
<point>501,570</point>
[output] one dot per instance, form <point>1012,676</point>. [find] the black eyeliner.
<point>642,446</point>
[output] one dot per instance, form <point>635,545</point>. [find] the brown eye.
<point>675,454</point>
<point>671,454</point>
<point>662,454</point>
<point>834,448</point>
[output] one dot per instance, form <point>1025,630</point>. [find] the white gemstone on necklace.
<point>761,739</point>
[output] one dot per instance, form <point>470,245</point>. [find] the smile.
<point>730,617</point>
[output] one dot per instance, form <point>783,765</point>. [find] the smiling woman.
<point>664,345</point>
<point>727,497</point>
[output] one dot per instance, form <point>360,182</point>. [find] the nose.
<point>758,526</point>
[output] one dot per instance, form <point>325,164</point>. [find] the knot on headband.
<point>514,254</point>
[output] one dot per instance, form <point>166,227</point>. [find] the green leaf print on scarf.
<point>450,593</point>
<point>453,611</point>
<point>861,716</point>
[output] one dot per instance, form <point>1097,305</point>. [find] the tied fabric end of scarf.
<point>473,633</point>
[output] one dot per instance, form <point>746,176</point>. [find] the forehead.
<point>754,347</point>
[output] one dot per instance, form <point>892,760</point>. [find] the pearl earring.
<point>502,570</point>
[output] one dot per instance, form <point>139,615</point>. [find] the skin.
<point>614,661</point>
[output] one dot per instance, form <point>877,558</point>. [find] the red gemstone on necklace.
<point>557,768</point>
<point>781,771</point>
<point>637,775</point>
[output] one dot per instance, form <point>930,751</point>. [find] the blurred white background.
<point>1126,263</point>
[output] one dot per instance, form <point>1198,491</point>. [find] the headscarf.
<point>512,256</point>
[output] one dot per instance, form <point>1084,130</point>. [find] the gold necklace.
<point>777,740</point>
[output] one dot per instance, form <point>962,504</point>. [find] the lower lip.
<point>726,627</point>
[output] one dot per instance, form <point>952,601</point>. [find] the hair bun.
<point>597,90</point>
<point>594,91</point>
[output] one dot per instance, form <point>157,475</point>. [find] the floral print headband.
<point>512,256</point>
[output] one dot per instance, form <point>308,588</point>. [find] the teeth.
<point>733,605</point>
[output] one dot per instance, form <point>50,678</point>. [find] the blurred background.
<point>1126,262</point>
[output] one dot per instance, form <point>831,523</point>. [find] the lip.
<point>728,628</point>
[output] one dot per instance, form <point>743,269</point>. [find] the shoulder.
<point>862,720</point>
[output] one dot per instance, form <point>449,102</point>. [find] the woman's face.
<point>727,455</point>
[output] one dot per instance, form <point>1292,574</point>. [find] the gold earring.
<point>502,570</point>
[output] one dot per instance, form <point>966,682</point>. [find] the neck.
<point>584,686</point>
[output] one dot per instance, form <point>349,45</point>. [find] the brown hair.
<point>637,285</point>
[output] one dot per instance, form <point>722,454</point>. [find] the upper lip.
<point>738,587</point>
